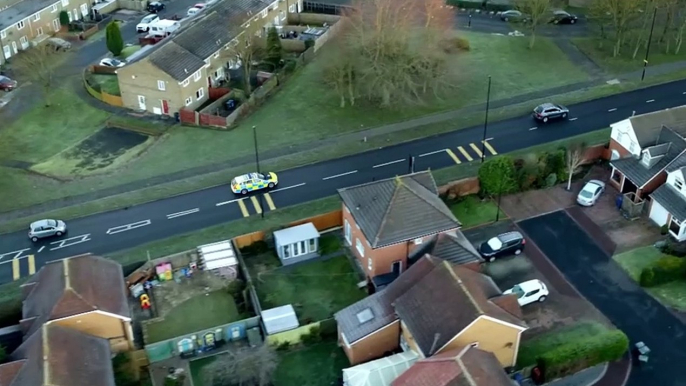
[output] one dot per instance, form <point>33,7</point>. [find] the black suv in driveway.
<point>548,111</point>
<point>509,243</point>
<point>155,7</point>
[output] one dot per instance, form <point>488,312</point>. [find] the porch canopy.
<point>380,372</point>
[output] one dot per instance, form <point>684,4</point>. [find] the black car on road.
<point>514,16</point>
<point>155,7</point>
<point>563,17</point>
<point>548,111</point>
<point>509,243</point>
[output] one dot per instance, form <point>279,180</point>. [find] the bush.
<point>314,336</point>
<point>64,18</point>
<point>328,329</point>
<point>551,163</point>
<point>309,43</point>
<point>664,229</point>
<point>674,248</point>
<point>113,38</point>
<point>290,66</point>
<point>497,175</point>
<point>256,248</point>
<point>647,278</point>
<point>665,270</point>
<point>454,44</point>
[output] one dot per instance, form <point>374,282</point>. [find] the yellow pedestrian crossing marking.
<point>453,156</point>
<point>15,269</point>
<point>256,204</point>
<point>270,202</point>
<point>32,265</point>
<point>490,148</point>
<point>476,150</point>
<point>244,210</point>
<point>465,154</point>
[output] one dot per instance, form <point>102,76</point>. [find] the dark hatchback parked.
<point>510,243</point>
<point>562,17</point>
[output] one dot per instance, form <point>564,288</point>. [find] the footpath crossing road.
<point>122,229</point>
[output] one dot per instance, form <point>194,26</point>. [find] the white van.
<point>164,28</point>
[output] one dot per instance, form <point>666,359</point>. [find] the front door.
<point>24,42</point>
<point>56,25</point>
<point>397,267</point>
<point>7,51</point>
<point>165,107</point>
<point>14,47</point>
<point>276,20</point>
<point>141,102</point>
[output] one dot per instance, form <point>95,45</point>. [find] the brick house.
<point>29,22</point>
<point>643,147</point>
<point>85,293</point>
<point>668,202</point>
<point>433,307</point>
<point>179,71</point>
<point>385,222</point>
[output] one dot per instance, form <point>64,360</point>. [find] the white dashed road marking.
<point>432,153</point>
<point>287,187</point>
<point>128,227</point>
<point>14,254</point>
<point>184,213</point>
<point>611,110</point>
<point>41,248</point>
<point>573,119</point>
<point>70,241</point>
<point>229,202</point>
<point>488,139</point>
<point>388,163</point>
<point>533,128</point>
<point>339,175</point>
<point>650,101</point>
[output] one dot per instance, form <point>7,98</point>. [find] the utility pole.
<point>500,195</point>
<point>650,39</point>
<point>488,105</point>
<point>257,165</point>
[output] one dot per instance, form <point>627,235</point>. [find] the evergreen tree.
<point>64,18</point>
<point>113,39</point>
<point>274,49</point>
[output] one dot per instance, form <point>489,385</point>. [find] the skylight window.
<point>365,315</point>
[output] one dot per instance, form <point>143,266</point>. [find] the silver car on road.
<point>46,228</point>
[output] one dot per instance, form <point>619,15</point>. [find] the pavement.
<point>122,229</point>
<point>565,241</point>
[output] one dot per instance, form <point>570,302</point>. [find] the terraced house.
<point>179,71</point>
<point>26,23</point>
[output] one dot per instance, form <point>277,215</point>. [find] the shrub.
<point>290,66</point>
<point>454,44</point>
<point>551,180</point>
<point>64,18</point>
<point>256,248</point>
<point>328,329</point>
<point>283,346</point>
<point>674,248</point>
<point>309,43</point>
<point>497,175</point>
<point>274,49</point>
<point>314,336</point>
<point>113,39</point>
<point>665,270</point>
<point>664,229</point>
<point>647,278</point>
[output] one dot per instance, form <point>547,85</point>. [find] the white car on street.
<point>144,25</point>
<point>528,292</point>
<point>590,193</point>
<point>111,62</point>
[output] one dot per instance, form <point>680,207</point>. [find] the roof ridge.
<point>384,219</point>
<point>412,189</point>
<point>385,179</point>
<point>465,371</point>
<point>463,287</point>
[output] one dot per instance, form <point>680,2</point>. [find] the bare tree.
<point>38,66</point>
<point>620,14</point>
<point>242,53</point>
<point>575,157</point>
<point>243,367</point>
<point>538,12</point>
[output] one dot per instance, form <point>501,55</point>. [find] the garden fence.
<point>291,336</point>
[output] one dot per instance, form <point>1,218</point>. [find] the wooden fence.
<point>114,100</point>
<point>291,336</point>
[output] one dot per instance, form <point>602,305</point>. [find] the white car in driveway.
<point>144,25</point>
<point>590,193</point>
<point>531,291</point>
<point>110,62</point>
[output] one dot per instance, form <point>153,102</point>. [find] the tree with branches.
<point>620,15</point>
<point>38,66</point>
<point>574,158</point>
<point>538,12</point>
<point>241,53</point>
<point>244,367</point>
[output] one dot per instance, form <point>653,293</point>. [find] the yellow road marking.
<point>244,210</point>
<point>32,264</point>
<point>270,202</point>
<point>15,269</point>
<point>256,204</point>
<point>476,150</point>
<point>453,156</point>
<point>465,154</point>
<point>490,148</point>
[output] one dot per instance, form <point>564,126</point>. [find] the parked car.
<point>164,27</point>
<point>253,181</point>
<point>193,11</point>
<point>155,7</point>
<point>46,228</point>
<point>513,15</point>
<point>563,17</point>
<point>529,292</point>
<point>502,245</point>
<point>548,111</point>
<point>58,44</point>
<point>7,84</point>
<point>110,62</point>
<point>144,25</point>
<point>590,193</point>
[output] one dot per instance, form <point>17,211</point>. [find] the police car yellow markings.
<point>453,156</point>
<point>244,210</point>
<point>465,154</point>
<point>270,202</point>
<point>256,204</point>
<point>32,265</point>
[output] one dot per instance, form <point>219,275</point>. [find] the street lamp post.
<point>257,166</point>
<point>500,195</point>
<point>488,103</point>
<point>411,164</point>
<point>650,39</point>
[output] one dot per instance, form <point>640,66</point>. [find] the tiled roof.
<point>60,356</point>
<point>380,372</point>
<point>647,127</point>
<point>22,10</point>
<point>380,303</point>
<point>454,247</point>
<point>398,209</point>
<point>671,200</point>
<point>464,367</point>
<point>445,301</point>
<point>176,61</point>
<point>73,286</point>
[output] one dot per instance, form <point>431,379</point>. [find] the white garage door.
<point>658,213</point>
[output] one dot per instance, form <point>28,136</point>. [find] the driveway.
<point>591,270</point>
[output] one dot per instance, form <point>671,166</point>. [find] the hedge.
<point>665,270</point>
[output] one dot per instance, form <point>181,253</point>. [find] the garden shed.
<point>219,258</point>
<point>296,244</point>
<point>279,319</point>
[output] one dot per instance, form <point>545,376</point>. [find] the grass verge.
<point>670,294</point>
<point>472,211</point>
<point>198,313</point>
<point>316,289</point>
<point>600,52</point>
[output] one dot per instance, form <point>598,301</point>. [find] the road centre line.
<point>286,188</point>
<point>612,109</point>
<point>433,152</point>
<point>41,248</point>
<point>388,163</point>
<point>128,227</point>
<point>339,175</point>
<point>573,119</point>
<point>650,101</point>
<point>533,128</point>
<point>183,213</point>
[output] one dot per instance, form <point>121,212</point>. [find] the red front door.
<point>165,107</point>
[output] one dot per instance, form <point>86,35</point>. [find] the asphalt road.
<point>122,229</point>
<point>487,23</point>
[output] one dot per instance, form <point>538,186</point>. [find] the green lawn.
<point>316,289</point>
<point>671,294</point>
<point>600,51</point>
<point>196,369</point>
<point>198,313</point>
<point>472,211</point>
<point>108,83</point>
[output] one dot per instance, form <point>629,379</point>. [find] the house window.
<point>417,241</point>
<point>39,30</point>
<point>189,100</point>
<point>370,264</point>
<point>3,34</point>
<point>219,73</point>
<point>678,184</point>
<point>185,83</point>
<point>200,93</point>
<point>24,41</point>
<point>348,232</point>
<point>36,17</point>
<point>632,147</point>
<point>475,344</point>
<point>20,25</point>
<point>286,252</point>
<point>282,15</point>
<point>196,76</point>
<point>360,247</point>
<point>614,156</point>
<point>65,3</point>
<point>53,9</point>
<point>296,251</point>
<point>313,245</point>
<point>275,5</point>
<point>264,13</point>
<point>160,85</point>
<point>291,8</point>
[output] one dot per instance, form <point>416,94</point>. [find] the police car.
<point>253,181</point>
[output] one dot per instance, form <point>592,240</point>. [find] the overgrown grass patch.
<point>107,83</point>
<point>314,365</point>
<point>601,50</point>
